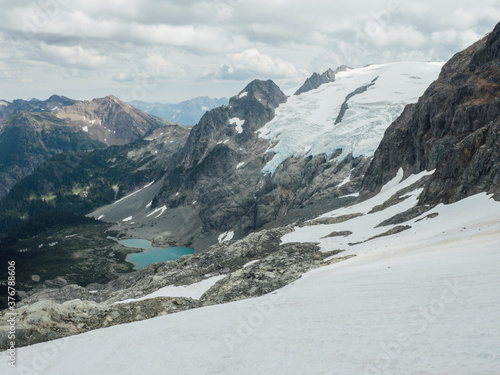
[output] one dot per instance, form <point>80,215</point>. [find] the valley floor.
<point>423,301</point>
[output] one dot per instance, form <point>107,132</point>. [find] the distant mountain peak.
<point>262,91</point>
<point>187,112</point>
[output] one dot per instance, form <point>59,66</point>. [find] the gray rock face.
<point>454,128</point>
<point>316,80</point>
<point>63,310</point>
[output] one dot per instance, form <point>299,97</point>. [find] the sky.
<point>169,51</point>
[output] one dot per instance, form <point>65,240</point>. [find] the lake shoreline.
<point>149,254</point>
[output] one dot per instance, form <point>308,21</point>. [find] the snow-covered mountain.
<point>350,114</point>
<point>280,158</point>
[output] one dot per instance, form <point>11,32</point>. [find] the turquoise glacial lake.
<point>152,254</point>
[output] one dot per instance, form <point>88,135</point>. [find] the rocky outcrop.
<point>46,320</point>
<point>315,81</point>
<point>454,128</point>
<point>254,266</point>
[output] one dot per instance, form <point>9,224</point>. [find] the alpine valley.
<point>350,226</point>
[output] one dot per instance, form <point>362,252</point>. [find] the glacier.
<point>306,124</point>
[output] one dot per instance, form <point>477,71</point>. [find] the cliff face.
<point>454,128</point>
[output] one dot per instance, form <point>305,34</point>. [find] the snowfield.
<point>423,301</point>
<point>306,124</point>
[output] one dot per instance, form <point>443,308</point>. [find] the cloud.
<point>74,56</point>
<point>119,42</point>
<point>252,63</point>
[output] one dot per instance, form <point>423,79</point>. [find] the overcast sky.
<point>173,50</point>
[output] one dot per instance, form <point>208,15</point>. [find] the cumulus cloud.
<point>122,42</point>
<point>71,56</point>
<point>251,62</point>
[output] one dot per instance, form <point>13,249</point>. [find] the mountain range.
<point>187,112</point>
<point>352,227</point>
<point>31,132</point>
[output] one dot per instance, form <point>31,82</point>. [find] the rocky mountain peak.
<point>110,120</point>
<point>265,92</point>
<point>316,80</point>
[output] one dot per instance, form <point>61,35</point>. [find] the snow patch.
<point>251,262</point>
<point>127,219</point>
<point>85,129</point>
<point>238,122</point>
<point>243,94</point>
<point>355,195</point>
<point>161,210</point>
<point>194,291</point>
<point>135,192</point>
<point>346,181</point>
<point>240,165</point>
<point>227,236</point>
<point>100,217</point>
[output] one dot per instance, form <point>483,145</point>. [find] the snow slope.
<point>421,302</point>
<point>305,124</point>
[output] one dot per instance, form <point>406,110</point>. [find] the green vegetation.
<point>76,183</point>
<point>74,248</point>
